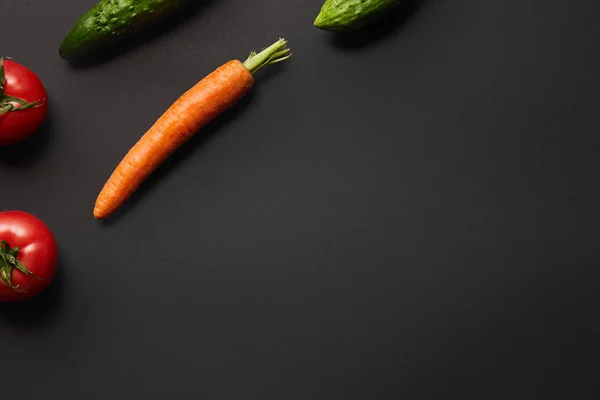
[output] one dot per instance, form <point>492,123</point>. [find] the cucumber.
<point>346,15</point>
<point>110,21</point>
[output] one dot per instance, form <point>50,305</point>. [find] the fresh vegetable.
<point>345,15</point>
<point>28,256</point>
<point>23,102</point>
<point>210,97</point>
<point>109,21</point>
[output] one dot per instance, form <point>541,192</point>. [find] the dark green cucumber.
<point>346,15</point>
<point>110,21</point>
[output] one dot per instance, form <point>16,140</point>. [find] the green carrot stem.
<point>273,54</point>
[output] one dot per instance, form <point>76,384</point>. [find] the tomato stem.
<point>8,262</point>
<point>2,76</point>
<point>7,101</point>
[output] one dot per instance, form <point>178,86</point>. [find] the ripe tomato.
<point>28,256</point>
<point>23,102</point>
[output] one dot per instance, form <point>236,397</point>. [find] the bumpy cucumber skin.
<point>346,15</point>
<point>111,20</point>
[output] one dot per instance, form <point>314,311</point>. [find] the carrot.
<point>210,97</point>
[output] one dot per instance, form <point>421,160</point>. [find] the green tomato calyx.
<point>10,103</point>
<point>8,262</point>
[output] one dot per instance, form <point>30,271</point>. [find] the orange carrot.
<point>210,97</point>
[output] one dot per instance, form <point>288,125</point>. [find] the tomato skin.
<point>24,84</point>
<point>38,253</point>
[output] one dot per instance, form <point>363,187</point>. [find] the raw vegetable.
<point>28,256</point>
<point>23,102</point>
<point>109,21</point>
<point>345,15</point>
<point>210,97</point>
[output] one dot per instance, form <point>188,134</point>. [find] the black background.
<point>409,211</point>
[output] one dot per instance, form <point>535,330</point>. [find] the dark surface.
<point>407,212</point>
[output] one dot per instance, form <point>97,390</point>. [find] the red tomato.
<point>28,256</point>
<point>21,89</point>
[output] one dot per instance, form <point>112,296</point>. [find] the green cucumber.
<point>110,21</point>
<point>346,15</point>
